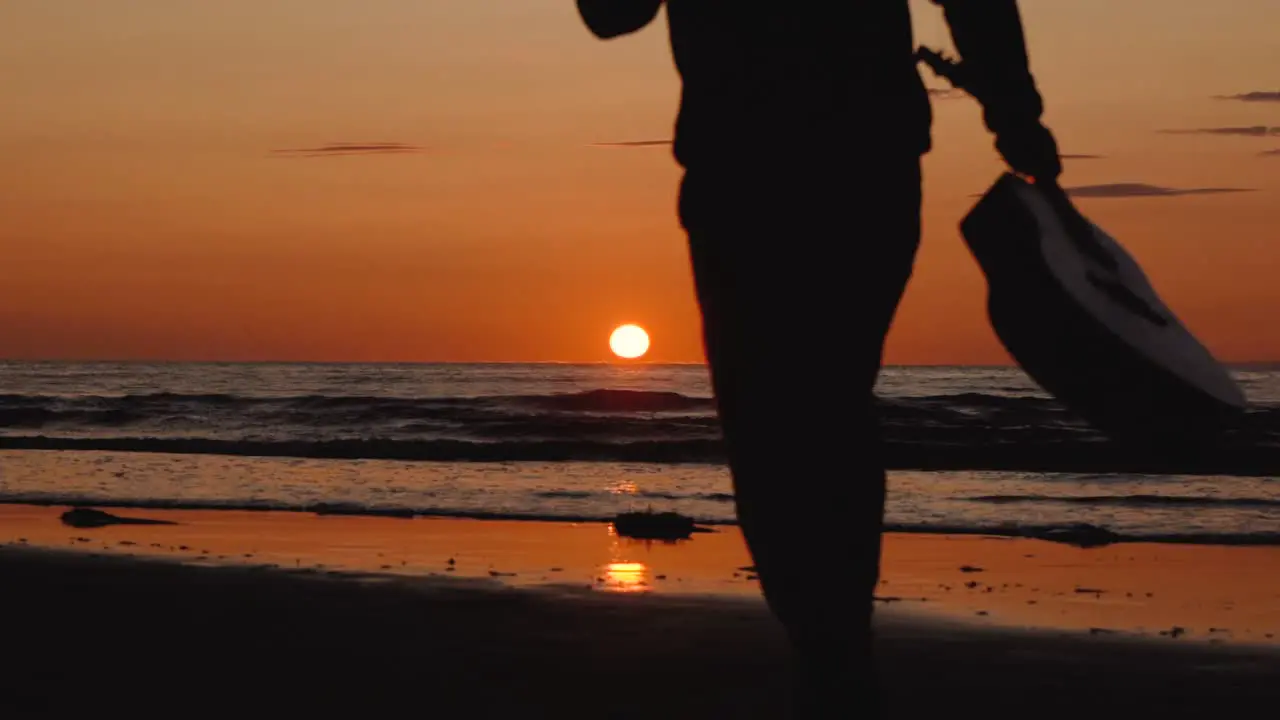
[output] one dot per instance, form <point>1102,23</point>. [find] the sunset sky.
<point>172,183</point>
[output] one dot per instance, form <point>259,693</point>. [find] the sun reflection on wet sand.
<point>622,573</point>
<point>626,577</point>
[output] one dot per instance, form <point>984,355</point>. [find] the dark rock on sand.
<point>90,518</point>
<point>650,525</point>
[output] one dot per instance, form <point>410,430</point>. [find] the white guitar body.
<point>1079,315</point>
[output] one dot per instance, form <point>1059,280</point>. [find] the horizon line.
<point>622,363</point>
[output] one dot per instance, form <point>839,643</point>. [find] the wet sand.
<point>261,611</point>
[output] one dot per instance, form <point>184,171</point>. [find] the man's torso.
<point>795,80</point>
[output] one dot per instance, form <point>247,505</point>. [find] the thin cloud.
<point>1251,131</point>
<point>633,143</point>
<point>1132,190</point>
<point>1255,96</point>
<point>336,149</point>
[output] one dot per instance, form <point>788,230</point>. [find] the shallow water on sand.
<point>1159,508</point>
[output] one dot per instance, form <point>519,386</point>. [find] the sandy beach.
<point>464,618</point>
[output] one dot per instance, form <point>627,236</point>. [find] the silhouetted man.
<point>801,128</point>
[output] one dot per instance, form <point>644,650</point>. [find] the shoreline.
<point>1081,536</point>
<point>1218,594</point>
<point>1100,456</point>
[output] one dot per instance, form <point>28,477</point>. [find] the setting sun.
<point>629,341</point>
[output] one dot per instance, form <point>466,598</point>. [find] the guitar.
<point>1078,313</point>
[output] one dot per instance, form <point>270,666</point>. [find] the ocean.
<point>972,449</point>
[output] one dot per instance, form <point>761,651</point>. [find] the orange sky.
<point>143,213</point>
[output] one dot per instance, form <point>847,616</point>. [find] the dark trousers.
<point>799,269</point>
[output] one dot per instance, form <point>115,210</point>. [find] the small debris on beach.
<point>90,518</point>
<point>970,569</point>
<point>1082,535</point>
<point>322,509</point>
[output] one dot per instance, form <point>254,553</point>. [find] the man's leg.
<point>798,278</point>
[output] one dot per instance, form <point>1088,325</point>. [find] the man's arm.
<point>993,51</point>
<point>989,37</point>
<point>612,18</point>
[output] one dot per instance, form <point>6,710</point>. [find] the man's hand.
<point>1030,149</point>
<point>612,18</point>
